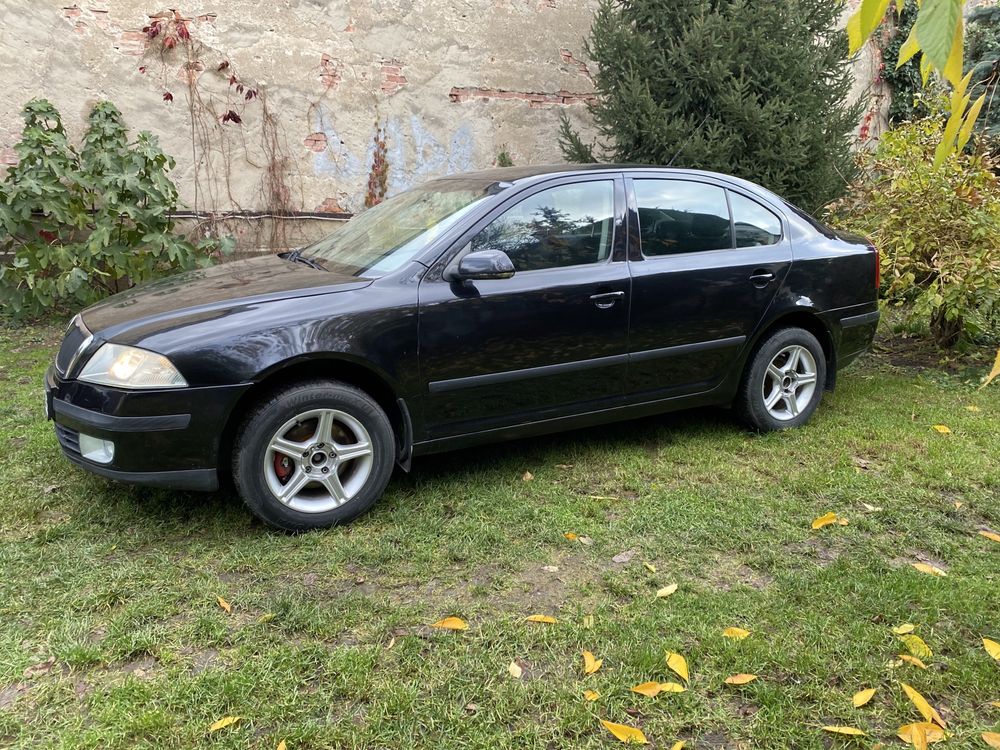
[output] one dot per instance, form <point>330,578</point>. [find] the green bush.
<point>938,230</point>
<point>77,226</point>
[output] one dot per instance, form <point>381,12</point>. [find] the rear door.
<point>706,260</point>
<point>548,342</point>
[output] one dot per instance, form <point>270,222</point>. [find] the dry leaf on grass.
<point>591,695</point>
<point>649,689</point>
<point>994,373</point>
<point>824,520</point>
<point>916,646</point>
<point>850,731</point>
<point>926,709</point>
<point>587,621</point>
<point>905,628</point>
<point>678,665</point>
<point>679,745</point>
<point>544,619</point>
<point>514,670</point>
<point>571,536</point>
<point>990,535</point>
<point>992,648</point>
<point>590,664</point>
<point>737,634</point>
<point>625,733</point>
<point>527,476</point>
<point>666,591</point>
<point>973,408</point>
<point>740,679</point>
<point>942,428</point>
<point>930,570</point>
<point>650,567</point>
<point>451,623</point>
<point>931,732</point>
<point>912,660</point>
<point>992,739</point>
<point>282,746</point>
<point>225,721</point>
<point>224,604</point>
<point>862,697</point>
<point>624,557</point>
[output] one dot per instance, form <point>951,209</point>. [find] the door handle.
<point>761,278</point>
<point>605,300</point>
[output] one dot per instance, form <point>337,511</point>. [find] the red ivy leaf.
<point>232,80</point>
<point>182,31</point>
<point>251,94</point>
<point>168,97</point>
<point>170,42</point>
<point>239,88</point>
<point>142,68</point>
<point>224,64</point>
<point>153,30</point>
<point>48,236</point>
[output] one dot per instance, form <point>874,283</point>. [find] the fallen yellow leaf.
<point>929,569</point>
<point>990,535</point>
<point>943,429</point>
<point>851,731</point>
<point>737,634</point>
<point>224,604</point>
<point>916,646</point>
<point>992,739</point>
<point>913,660</point>
<point>451,623</point>
<point>931,732</point>
<point>282,746</point>
<point>672,687</point>
<point>740,679</point>
<point>973,408</point>
<point>587,621</point>
<point>918,736</point>
<point>678,664</point>
<point>679,745</point>
<point>862,697</point>
<point>842,521</point>
<point>958,504</point>
<point>571,536</point>
<point>515,671</point>
<point>590,664</point>
<point>992,648</point>
<point>527,477</point>
<point>666,591</point>
<point>625,733</point>
<point>926,709</point>
<point>224,722</point>
<point>591,695</point>
<point>542,619</point>
<point>650,567</point>
<point>824,520</point>
<point>903,629</point>
<point>994,373</point>
<point>995,704</point>
<point>649,689</point>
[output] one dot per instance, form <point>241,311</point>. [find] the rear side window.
<point>568,225</point>
<point>677,216</point>
<point>754,224</point>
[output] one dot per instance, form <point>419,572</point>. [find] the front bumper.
<point>166,438</point>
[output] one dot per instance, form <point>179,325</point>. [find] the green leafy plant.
<point>76,226</point>
<point>938,229</point>
<point>705,84</point>
<point>904,79</point>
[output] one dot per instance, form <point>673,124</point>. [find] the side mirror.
<point>482,265</point>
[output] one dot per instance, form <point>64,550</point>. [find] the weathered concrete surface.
<point>452,81</point>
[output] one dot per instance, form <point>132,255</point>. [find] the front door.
<point>547,342</point>
<point>709,262</point>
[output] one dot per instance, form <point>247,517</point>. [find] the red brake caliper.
<point>282,467</point>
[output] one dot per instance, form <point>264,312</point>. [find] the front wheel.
<point>783,382</point>
<point>313,455</point>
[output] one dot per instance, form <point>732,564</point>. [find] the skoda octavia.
<point>479,307</point>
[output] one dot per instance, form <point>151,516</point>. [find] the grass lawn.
<point>111,634</point>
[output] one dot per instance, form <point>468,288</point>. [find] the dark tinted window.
<point>569,225</point>
<point>754,224</point>
<point>676,216</point>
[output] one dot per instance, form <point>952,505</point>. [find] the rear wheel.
<point>783,382</point>
<point>312,455</point>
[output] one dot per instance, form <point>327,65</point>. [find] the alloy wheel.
<point>789,383</point>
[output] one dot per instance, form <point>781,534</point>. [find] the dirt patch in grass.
<point>726,573</point>
<point>10,694</point>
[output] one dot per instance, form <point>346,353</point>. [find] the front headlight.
<point>131,367</point>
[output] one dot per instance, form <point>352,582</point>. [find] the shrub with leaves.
<point>76,226</point>
<point>938,229</point>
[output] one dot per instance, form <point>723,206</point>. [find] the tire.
<point>324,472</point>
<point>783,397</point>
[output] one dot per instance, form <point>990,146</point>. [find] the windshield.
<point>388,235</point>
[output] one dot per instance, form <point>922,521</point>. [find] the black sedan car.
<point>475,308</point>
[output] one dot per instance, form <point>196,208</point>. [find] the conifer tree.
<point>754,88</point>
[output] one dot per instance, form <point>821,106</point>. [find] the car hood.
<point>208,293</point>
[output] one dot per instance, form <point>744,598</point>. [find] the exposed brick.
<point>331,205</point>
<point>132,43</point>
<point>207,17</point>
<point>392,76</point>
<point>533,98</point>
<point>316,142</point>
<point>581,66</point>
<point>8,156</point>
<point>329,72</point>
<point>72,11</point>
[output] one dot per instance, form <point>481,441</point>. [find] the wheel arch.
<point>810,321</point>
<point>345,370</point>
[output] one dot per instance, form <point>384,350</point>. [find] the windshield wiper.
<point>296,256</point>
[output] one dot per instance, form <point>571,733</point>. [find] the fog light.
<point>97,450</point>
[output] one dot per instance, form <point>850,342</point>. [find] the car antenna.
<point>687,141</point>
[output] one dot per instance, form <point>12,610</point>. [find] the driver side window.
<point>568,225</point>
